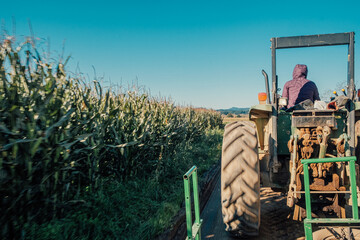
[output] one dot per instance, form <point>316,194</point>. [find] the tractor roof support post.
<point>351,93</point>
<point>276,165</point>
<point>351,87</point>
<point>274,78</point>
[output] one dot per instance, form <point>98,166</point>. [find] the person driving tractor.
<point>299,88</point>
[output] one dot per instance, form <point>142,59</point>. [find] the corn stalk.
<point>59,137</point>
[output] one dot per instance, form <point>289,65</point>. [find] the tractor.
<point>270,149</point>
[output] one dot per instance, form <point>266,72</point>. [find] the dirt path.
<point>275,223</point>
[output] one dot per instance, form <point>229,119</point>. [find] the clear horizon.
<point>204,53</point>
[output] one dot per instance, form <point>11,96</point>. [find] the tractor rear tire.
<point>334,233</point>
<point>240,179</point>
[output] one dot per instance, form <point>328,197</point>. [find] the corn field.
<point>60,136</point>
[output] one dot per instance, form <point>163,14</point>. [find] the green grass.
<point>134,209</point>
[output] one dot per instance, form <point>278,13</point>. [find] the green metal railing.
<point>355,214</point>
<point>193,231</point>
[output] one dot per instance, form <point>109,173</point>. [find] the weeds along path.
<point>275,220</point>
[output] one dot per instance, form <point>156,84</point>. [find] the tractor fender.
<point>260,114</point>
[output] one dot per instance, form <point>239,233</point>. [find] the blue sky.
<point>204,53</point>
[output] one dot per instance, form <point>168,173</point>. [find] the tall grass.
<point>61,137</point>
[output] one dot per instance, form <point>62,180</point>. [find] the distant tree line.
<point>234,111</point>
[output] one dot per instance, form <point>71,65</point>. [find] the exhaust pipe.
<point>267,86</point>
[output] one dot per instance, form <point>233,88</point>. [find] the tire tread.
<point>240,179</point>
